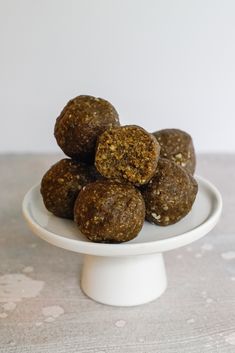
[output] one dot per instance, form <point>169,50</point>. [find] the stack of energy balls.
<point>117,176</point>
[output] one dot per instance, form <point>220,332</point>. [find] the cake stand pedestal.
<point>124,281</point>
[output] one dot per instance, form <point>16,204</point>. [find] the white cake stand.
<point>130,273</point>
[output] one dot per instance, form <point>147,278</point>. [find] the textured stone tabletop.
<point>42,308</point>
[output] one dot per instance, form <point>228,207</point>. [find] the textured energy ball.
<point>81,121</point>
<point>127,152</point>
<point>170,194</point>
<point>109,211</point>
<point>177,146</point>
<point>62,183</point>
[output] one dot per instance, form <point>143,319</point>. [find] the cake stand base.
<point>124,280</point>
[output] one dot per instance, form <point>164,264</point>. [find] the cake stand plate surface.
<point>130,273</point>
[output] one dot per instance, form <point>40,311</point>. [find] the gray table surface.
<point>42,308</point>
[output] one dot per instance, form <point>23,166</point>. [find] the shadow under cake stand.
<point>130,273</point>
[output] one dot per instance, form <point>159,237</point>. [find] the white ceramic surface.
<point>112,273</point>
<point>124,280</point>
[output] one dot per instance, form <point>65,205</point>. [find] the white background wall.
<point>168,63</point>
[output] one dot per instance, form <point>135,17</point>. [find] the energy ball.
<point>109,211</point>
<point>127,152</point>
<point>81,121</point>
<point>177,146</point>
<point>170,194</point>
<point>61,185</point>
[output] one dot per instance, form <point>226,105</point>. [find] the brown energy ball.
<point>61,185</point>
<point>109,211</point>
<point>170,194</point>
<point>127,152</point>
<point>81,121</point>
<point>177,146</point>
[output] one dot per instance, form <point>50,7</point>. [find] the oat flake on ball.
<point>80,123</point>
<point>170,194</point>
<point>109,211</point>
<point>62,183</point>
<point>127,152</point>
